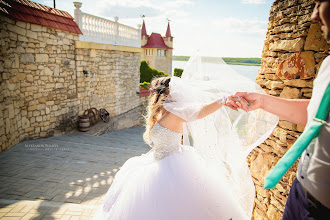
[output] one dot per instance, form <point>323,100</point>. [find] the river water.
<point>250,72</point>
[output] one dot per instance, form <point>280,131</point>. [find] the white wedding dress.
<point>171,183</point>
<point>207,177</point>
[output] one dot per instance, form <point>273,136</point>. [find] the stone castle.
<point>157,50</point>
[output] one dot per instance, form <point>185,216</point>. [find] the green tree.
<point>147,73</point>
<point>178,72</point>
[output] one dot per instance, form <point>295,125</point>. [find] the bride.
<point>206,177</point>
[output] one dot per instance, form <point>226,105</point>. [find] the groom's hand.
<point>234,102</point>
<point>254,100</point>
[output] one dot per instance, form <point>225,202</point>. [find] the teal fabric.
<point>311,132</point>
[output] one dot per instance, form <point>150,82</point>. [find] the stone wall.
<point>43,88</point>
<point>114,78</point>
<point>293,52</point>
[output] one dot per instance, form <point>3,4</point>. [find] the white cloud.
<point>254,2</point>
<point>176,4</point>
<point>235,25</point>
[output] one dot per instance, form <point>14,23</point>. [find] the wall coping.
<point>98,46</point>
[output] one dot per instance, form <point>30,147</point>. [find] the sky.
<point>217,28</point>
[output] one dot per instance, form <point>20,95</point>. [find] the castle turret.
<point>144,35</point>
<point>168,39</point>
<point>157,49</point>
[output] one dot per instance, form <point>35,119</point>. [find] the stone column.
<point>77,14</point>
<point>117,30</point>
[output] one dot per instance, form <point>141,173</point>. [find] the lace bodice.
<point>165,141</point>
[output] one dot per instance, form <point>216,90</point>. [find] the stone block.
<point>42,58</point>
<point>274,84</point>
<point>10,86</point>
<point>36,27</point>
<point>36,113</point>
<point>66,41</point>
<point>8,124</point>
<point>13,36</point>
<point>32,108</point>
<point>26,58</point>
<point>315,40</point>
<point>59,85</point>
<point>49,103</point>
<point>31,34</point>
<point>58,113</point>
<point>22,38</point>
<point>46,71</point>
<point>47,110</point>
<point>298,65</point>
<point>16,29</point>
<point>11,111</point>
<point>273,213</point>
<point>21,76</point>
<point>41,106</point>
<point>300,128</point>
<point>29,78</point>
<point>290,93</point>
<point>261,166</point>
<point>39,118</point>
<point>20,49</point>
<point>31,67</point>
<point>280,133</point>
<point>287,125</point>
<point>79,57</point>
<point>30,50</point>
<point>21,24</point>
<point>92,53</point>
<point>295,45</point>
<point>298,83</point>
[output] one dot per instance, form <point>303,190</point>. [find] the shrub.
<point>145,85</point>
<point>147,73</point>
<point>178,72</point>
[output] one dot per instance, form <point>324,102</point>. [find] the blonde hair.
<point>159,91</point>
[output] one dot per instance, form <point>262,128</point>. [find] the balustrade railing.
<point>99,30</point>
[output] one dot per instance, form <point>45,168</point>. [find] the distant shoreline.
<point>229,60</point>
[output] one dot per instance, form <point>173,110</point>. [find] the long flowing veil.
<point>226,137</point>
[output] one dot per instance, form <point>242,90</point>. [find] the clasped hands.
<point>245,101</point>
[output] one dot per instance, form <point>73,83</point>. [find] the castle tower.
<point>157,50</point>
<point>168,39</point>
<point>144,35</point>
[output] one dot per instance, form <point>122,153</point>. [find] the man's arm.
<point>294,110</point>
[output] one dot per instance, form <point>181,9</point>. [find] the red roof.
<point>156,41</point>
<point>28,11</point>
<point>168,31</point>
<point>144,30</point>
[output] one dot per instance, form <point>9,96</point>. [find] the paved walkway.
<point>63,177</point>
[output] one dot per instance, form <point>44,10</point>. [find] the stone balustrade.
<point>99,30</point>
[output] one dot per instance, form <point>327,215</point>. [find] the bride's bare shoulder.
<point>172,122</point>
<point>175,117</point>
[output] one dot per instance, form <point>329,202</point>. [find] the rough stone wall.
<point>43,89</point>
<point>293,52</point>
<point>113,81</point>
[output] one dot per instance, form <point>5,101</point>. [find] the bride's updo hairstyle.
<point>159,88</point>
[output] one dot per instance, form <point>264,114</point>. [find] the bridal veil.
<point>226,137</point>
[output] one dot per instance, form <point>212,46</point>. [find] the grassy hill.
<point>229,60</point>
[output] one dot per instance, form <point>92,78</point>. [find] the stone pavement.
<point>63,177</point>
